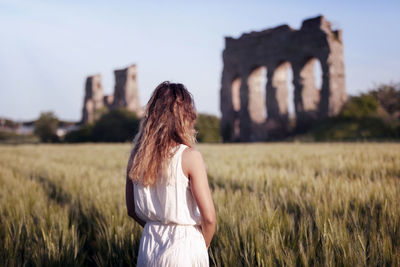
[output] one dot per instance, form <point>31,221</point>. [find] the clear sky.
<point>48,48</point>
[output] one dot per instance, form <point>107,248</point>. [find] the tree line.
<point>118,125</point>
<point>374,115</point>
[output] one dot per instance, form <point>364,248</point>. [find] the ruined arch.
<point>318,74</point>
<point>310,96</point>
<point>235,91</point>
<point>279,83</point>
<point>256,82</point>
<point>235,88</point>
<point>310,93</point>
<point>282,82</point>
<point>314,40</point>
<point>256,111</point>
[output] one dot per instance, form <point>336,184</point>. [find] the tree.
<point>46,127</point>
<point>84,134</point>
<point>388,96</point>
<point>119,125</point>
<point>360,106</point>
<point>207,127</point>
<point>361,118</point>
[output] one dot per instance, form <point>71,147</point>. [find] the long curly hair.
<point>169,120</point>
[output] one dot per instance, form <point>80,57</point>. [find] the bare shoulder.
<point>191,153</point>
<point>191,160</point>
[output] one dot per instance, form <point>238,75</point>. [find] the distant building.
<point>125,95</point>
<point>25,128</point>
<point>28,127</point>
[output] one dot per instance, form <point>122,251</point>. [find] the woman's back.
<point>172,235</point>
<point>170,200</point>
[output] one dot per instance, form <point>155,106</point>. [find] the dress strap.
<point>178,157</point>
<point>182,147</point>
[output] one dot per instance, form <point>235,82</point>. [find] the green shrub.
<point>363,117</point>
<point>388,96</point>
<point>207,127</point>
<point>360,106</point>
<point>119,125</point>
<point>84,134</point>
<point>350,129</point>
<point>46,127</point>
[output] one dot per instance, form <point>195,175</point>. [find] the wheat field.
<point>277,204</point>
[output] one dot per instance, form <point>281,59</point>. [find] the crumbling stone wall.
<point>125,95</point>
<point>93,99</point>
<point>241,100</point>
<point>126,91</point>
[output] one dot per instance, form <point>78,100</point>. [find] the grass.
<point>277,204</point>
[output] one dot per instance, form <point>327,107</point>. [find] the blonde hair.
<point>169,120</point>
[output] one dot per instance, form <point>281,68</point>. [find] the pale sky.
<point>48,48</point>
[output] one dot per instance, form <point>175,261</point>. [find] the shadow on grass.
<point>54,191</point>
<point>102,241</point>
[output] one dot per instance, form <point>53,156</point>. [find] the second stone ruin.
<point>125,95</point>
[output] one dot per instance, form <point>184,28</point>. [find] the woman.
<point>167,190</point>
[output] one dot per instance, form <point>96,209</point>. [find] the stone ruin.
<point>248,114</point>
<point>93,100</point>
<point>125,95</point>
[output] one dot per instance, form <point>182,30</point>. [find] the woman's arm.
<point>194,168</point>
<point>130,198</point>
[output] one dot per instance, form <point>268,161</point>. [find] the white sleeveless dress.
<point>172,234</point>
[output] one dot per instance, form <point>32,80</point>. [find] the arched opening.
<point>235,89</point>
<point>236,93</point>
<point>291,98</point>
<point>311,79</point>
<point>256,83</point>
<point>318,74</point>
<point>282,80</point>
